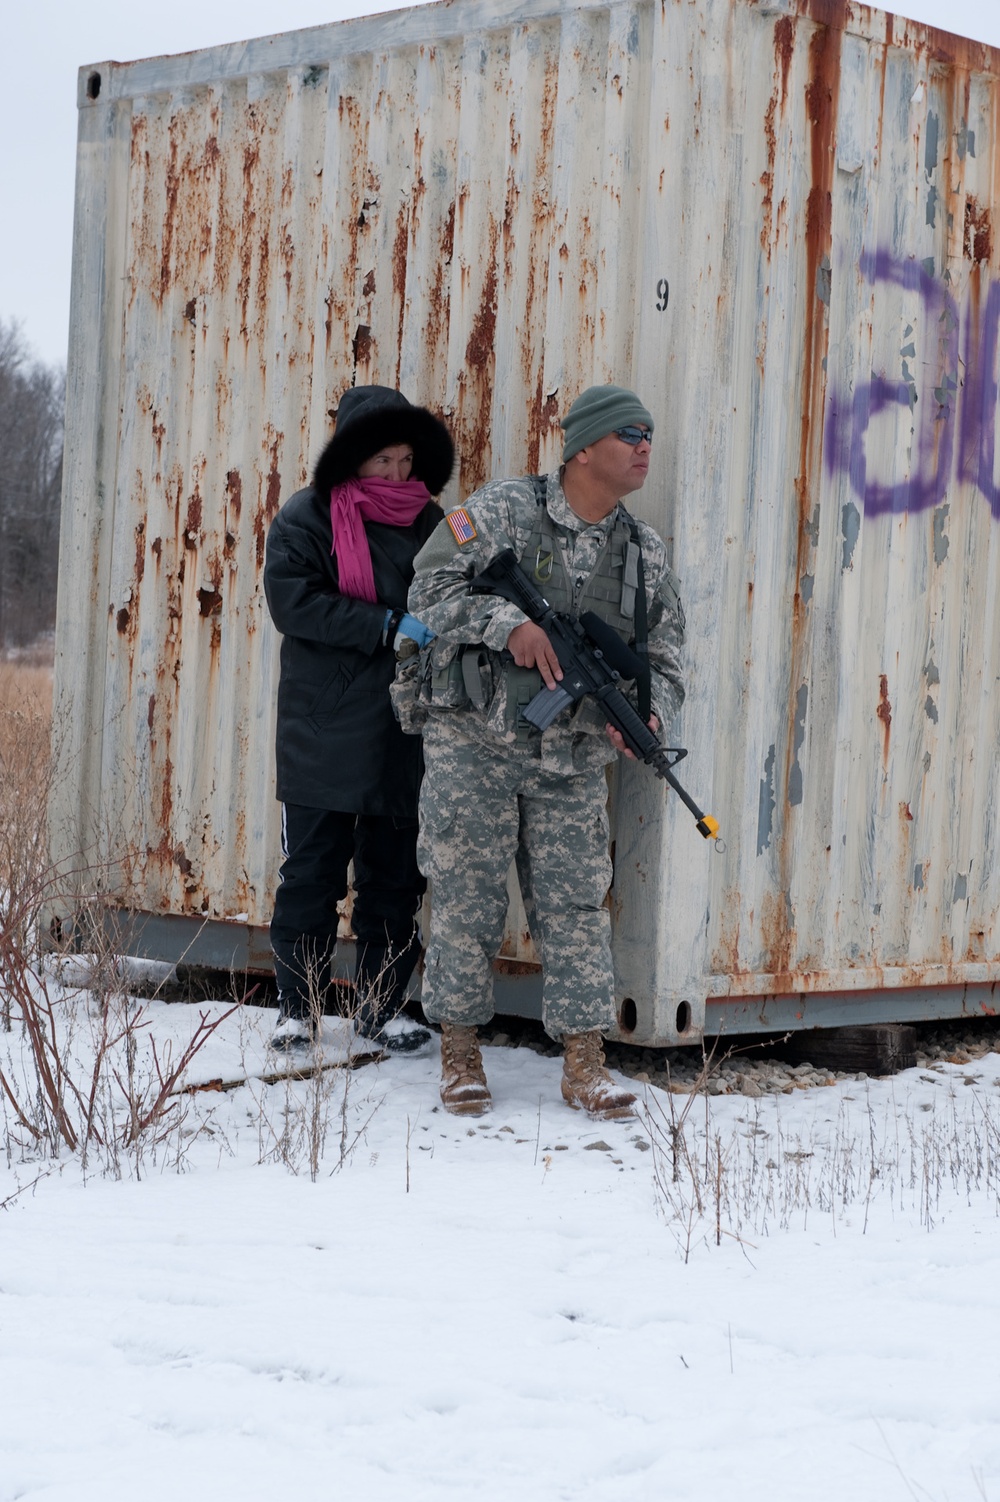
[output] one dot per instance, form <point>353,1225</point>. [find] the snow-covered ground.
<point>294,1294</point>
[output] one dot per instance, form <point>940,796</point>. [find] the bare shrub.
<point>306,1107</point>
<point>81,1074</point>
<point>751,1177</point>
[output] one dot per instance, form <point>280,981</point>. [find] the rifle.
<point>594,659</point>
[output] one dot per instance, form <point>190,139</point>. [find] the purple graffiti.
<point>964,396</point>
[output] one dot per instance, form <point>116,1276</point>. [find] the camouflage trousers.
<point>479,797</point>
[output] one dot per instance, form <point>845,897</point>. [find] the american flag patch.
<point>461,526</point>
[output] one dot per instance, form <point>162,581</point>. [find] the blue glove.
<point>407,628</point>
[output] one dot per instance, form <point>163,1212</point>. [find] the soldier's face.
<point>622,466</point>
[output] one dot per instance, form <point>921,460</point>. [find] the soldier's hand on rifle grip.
<point>530,648</point>
<point>615,737</point>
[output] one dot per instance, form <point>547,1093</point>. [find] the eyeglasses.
<point>634,436</point>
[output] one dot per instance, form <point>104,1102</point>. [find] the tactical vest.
<point>609,591</point>
<point>493,684</point>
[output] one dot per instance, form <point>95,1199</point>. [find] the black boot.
<point>302,971</point>
<point>381,973</point>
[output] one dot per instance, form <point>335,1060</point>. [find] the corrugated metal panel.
<point>776,221</point>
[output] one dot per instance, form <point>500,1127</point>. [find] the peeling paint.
<point>766,803</point>
<point>940,535</point>
<point>850,526</point>
<point>799,735</point>
<point>931,143</point>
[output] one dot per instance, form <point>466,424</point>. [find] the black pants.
<point>318,846</point>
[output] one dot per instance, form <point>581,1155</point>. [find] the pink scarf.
<point>395,502</point>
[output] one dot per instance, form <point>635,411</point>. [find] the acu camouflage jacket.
<point>503,514</point>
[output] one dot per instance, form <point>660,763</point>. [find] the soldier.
<point>490,779</point>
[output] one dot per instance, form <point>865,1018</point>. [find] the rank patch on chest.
<point>461,526</point>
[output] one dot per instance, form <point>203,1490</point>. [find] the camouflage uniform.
<point>487,784</point>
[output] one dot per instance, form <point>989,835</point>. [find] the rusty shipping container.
<point>778,221</point>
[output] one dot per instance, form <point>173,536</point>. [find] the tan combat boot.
<point>464,1091</point>
<point>587,1085</point>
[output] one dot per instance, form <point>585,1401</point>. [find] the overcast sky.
<point>46,41</point>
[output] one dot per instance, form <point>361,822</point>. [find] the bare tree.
<point>32,397</point>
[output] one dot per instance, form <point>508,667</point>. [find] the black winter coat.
<point>338,743</point>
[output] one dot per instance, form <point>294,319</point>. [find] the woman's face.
<point>394,462</point>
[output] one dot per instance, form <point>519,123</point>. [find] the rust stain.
<point>821,95</point>
<point>533,457</point>
<point>480,348</point>
<point>151,712</point>
<point>209,601</point>
<point>172,192</point>
<point>251,162</point>
<point>193,519</point>
<point>726,953</point>
<point>477,386</point>
<point>436,323</point>
<point>362,345</point>
<point>266,513</point>
<point>287,256</point>
<point>537,261</point>
<point>884,713</point>
<point>542,421</point>
<point>234,494</point>
<point>784,47</point>
<point>978,240</point>
<point>399,258</point>
<point>166,795</point>
<point>260,538</point>
<point>776,933</point>
<point>905,814</point>
<point>506,965</point>
<point>272,498</point>
<point>767,176</point>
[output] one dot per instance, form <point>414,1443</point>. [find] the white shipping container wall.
<point>777,222</point>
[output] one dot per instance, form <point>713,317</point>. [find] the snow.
<point>519,1309</point>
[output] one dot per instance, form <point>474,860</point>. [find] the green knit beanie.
<point>597,412</point>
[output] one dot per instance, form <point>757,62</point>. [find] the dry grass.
<point>26,684</point>
<point>25,730</point>
<point>25,769</point>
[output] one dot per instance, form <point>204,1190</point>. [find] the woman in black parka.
<point>338,565</point>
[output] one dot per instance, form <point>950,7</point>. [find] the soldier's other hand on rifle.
<point>615,737</point>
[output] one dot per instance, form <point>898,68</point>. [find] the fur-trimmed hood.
<point>370,418</point>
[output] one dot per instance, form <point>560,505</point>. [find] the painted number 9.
<point>662,294</point>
